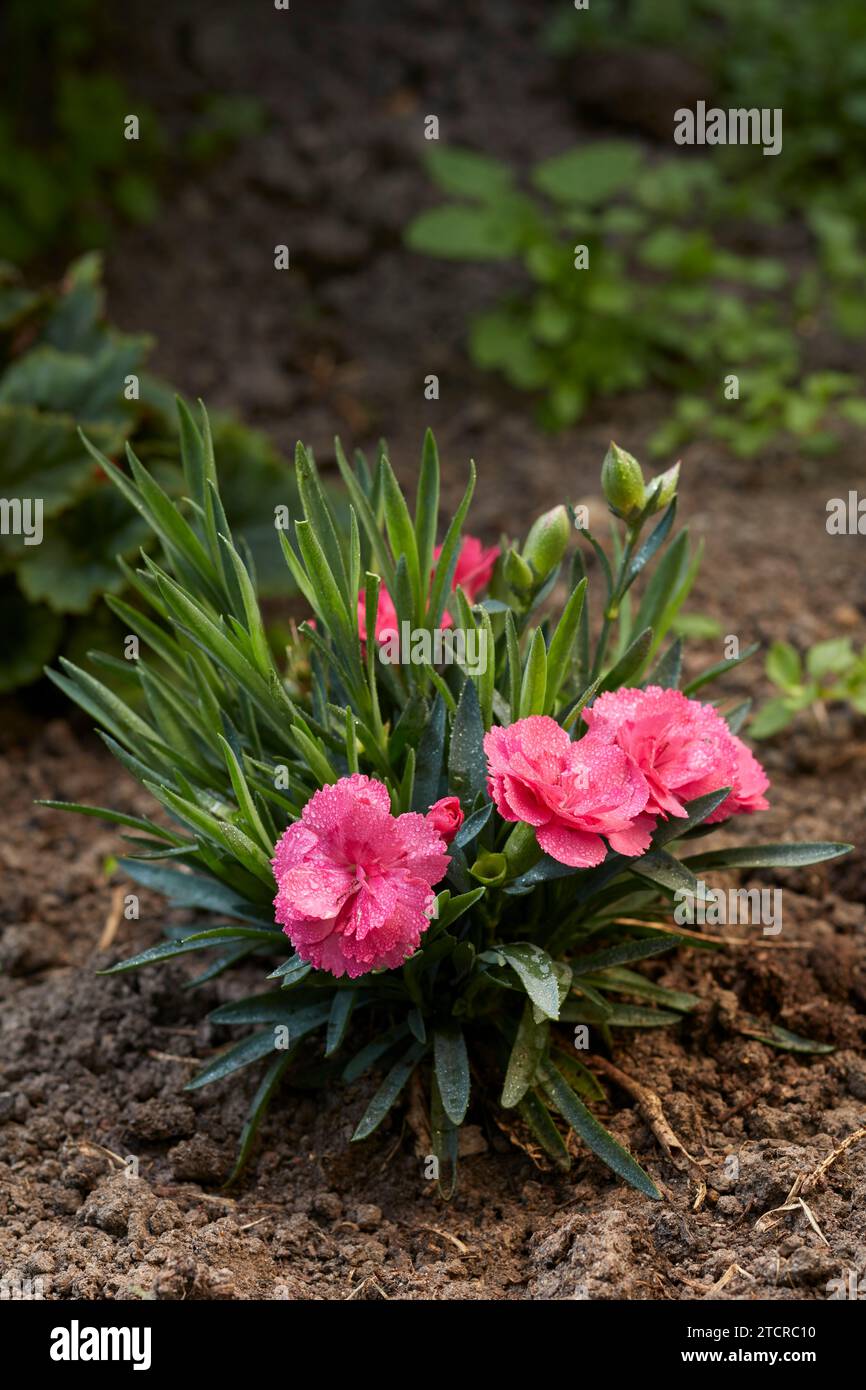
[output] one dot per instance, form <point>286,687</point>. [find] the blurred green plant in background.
<point>631,284</point>
<point>68,172</point>
<point>62,366</point>
<point>807,59</point>
<point>66,168</point>
<point>832,673</point>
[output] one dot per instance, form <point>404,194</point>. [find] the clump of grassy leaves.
<point>232,743</point>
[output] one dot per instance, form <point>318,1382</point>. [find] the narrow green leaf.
<point>662,868</point>
<point>444,1135</point>
<point>780,1038</point>
<point>166,950</point>
<point>240,1054</point>
<point>467,765</point>
<point>339,1018</point>
<point>529,1047</point>
<point>536,1117</point>
<point>389,1091</point>
<point>629,982</point>
<point>427,506</point>
<point>624,953</point>
<point>664,583</point>
<point>149,827</point>
<point>668,670</point>
<point>369,1055</point>
<point>259,1105</point>
<point>451,1063</point>
<point>194,890</point>
<point>401,537</point>
<point>428,763</point>
<point>321,519</point>
<point>244,798</point>
<point>631,662</point>
<point>448,557</point>
<point>455,907</point>
<point>793,855</point>
<point>562,647</point>
<point>472,826</point>
<point>534,684</point>
<point>631,1016</point>
<point>696,813</point>
<point>719,670</point>
<point>651,545</point>
<point>367,518</point>
<point>594,1134</point>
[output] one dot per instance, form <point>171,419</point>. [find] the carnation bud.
<point>667,487</point>
<point>518,575</point>
<point>547,541</point>
<point>490,869</point>
<point>446,816</point>
<point>622,483</point>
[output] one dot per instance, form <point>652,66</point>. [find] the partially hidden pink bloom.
<point>386,615</point>
<point>474,568</point>
<point>571,793</point>
<point>354,881</point>
<point>473,572</point>
<point>683,748</point>
<point>446,817</point>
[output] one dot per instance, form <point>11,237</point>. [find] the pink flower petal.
<point>573,847</point>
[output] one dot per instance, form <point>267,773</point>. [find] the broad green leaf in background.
<point>468,174</point>
<point>784,667</point>
<point>42,456</point>
<point>77,560</point>
<point>87,388</point>
<point>472,233</point>
<point>589,175</point>
<point>830,658</point>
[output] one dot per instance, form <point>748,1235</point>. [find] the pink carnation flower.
<point>572,793</point>
<point>749,784</point>
<point>473,571</point>
<point>683,748</point>
<point>355,882</point>
<point>446,817</point>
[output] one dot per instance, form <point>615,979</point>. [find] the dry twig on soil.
<point>650,1107</point>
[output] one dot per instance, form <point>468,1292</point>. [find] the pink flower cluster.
<point>354,881</point>
<point>472,573</point>
<point>646,753</point>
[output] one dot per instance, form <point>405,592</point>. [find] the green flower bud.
<point>622,483</point>
<point>490,869</point>
<point>668,486</point>
<point>547,541</point>
<point>521,849</point>
<point>518,575</point>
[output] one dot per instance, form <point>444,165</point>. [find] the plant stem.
<point>611,612</point>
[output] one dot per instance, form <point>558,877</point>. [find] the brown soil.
<point>94,1068</point>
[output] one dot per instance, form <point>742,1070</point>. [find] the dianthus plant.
<point>451,818</point>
